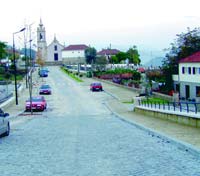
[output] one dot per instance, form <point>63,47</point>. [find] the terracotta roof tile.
<point>108,52</point>
<point>192,58</point>
<point>75,47</point>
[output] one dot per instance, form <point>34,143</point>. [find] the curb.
<point>167,139</point>
<point>112,95</point>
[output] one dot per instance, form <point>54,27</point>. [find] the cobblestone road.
<point>73,138</point>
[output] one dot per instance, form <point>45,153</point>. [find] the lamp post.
<point>15,68</point>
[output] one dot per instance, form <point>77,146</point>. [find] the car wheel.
<point>7,130</point>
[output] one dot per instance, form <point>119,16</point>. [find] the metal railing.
<point>172,106</point>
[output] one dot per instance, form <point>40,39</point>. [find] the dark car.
<point>43,73</point>
<point>45,89</point>
<point>37,103</point>
<point>4,124</point>
<point>96,86</point>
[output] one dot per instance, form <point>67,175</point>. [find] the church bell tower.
<point>41,41</point>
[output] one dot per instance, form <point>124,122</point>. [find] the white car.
<point>4,124</point>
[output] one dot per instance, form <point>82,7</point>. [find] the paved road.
<point>78,135</point>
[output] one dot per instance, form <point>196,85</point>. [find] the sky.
<point>151,25</point>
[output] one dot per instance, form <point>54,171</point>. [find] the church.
<point>51,53</point>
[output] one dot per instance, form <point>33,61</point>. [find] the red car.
<point>96,86</point>
<point>38,103</point>
<point>45,89</point>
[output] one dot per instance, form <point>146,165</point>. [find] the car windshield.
<point>36,99</point>
<point>97,84</point>
<point>45,87</point>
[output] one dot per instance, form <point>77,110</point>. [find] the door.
<point>178,88</point>
<point>55,56</point>
<point>187,91</point>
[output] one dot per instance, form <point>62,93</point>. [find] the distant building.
<point>41,41</point>
<point>108,53</point>
<point>74,54</point>
<point>187,82</point>
<point>54,51</point>
<point>51,53</point>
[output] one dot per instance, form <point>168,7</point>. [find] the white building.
<point>187,82</point>
<point>52,53</point>
<point>41,41</point>
<point>74,54</point>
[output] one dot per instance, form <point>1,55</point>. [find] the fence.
<point>172,106</point>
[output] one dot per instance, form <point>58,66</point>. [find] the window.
<point>189,70</point>
<point>183,70</point>
<point>197,91</point>
<point>55,48</point>
<point>193,70</point>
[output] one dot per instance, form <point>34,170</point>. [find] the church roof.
<point>75,47</point>
<point>192,58</point>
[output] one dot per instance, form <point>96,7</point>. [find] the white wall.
<point>51,51</point>
<point>73,54</point>
<point>186,77</point>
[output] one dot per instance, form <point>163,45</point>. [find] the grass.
<point>149,100</point>
<point>155,100</point>
<point>74,77</point>
<point>128,102</point>
<point>19,77</point>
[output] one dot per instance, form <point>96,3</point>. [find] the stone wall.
<point>178,118</point>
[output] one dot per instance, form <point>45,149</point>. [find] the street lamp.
<point>15,69</point>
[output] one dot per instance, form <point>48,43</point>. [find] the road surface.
<point>79,136</point>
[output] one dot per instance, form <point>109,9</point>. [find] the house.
<point>187,82</point>
<point>108,53</point>
<point>74,54</point>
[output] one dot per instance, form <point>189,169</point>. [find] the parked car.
<point>96,86</point>
<point>45,89</point>
<point>4,124</point>
<point>38,103</point>
<point>43,73</point>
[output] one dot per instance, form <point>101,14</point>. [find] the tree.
<point>114,60</point>
<point>121,56</point>
<point>3,52</point>
<point>185,45</point>
<point>39,59</point>
<point>101,63</point>
<point>90,55</point>
<point>133,55</point>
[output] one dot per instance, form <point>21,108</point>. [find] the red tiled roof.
<point>75,47</point>
<point>193,58</point>
<point>108,52</point>
<point>141,69</point>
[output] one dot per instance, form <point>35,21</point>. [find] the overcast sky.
<point>149,24</point>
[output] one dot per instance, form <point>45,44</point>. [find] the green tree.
<point>114,60</point>
<point>101,63</point>
<point>3,52</point>
<point>90,55</point>
<point>121,56</point>
<point>185,45</point>
<point>133,55</point>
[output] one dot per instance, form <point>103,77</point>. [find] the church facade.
<point>51,53</point>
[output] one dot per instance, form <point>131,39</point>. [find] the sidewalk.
<point>23,94</point>
<point>186,134</point>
